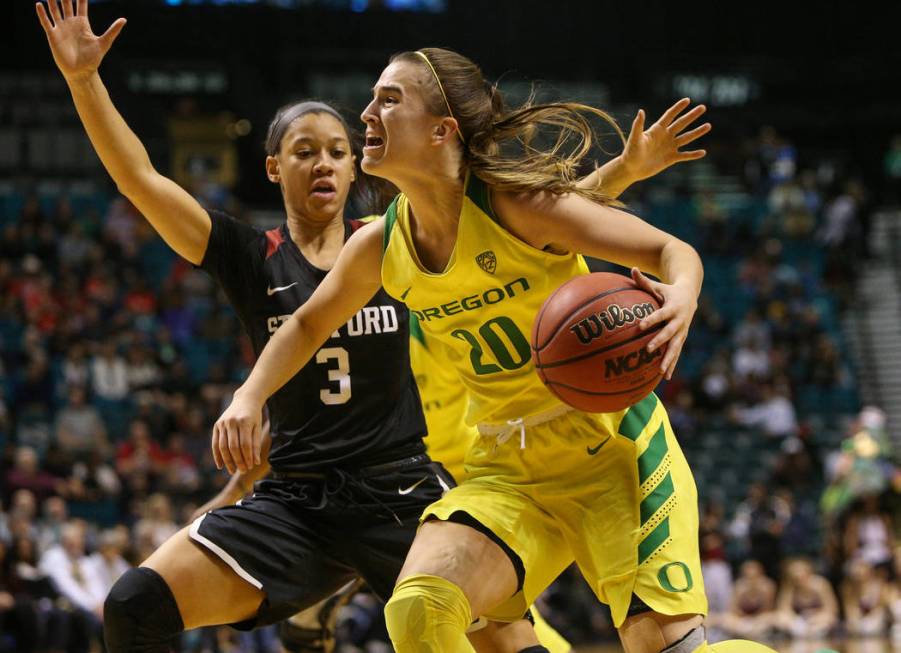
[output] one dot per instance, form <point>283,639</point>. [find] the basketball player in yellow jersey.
<point>474,244</point>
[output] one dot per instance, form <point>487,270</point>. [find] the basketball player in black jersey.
<point>350,476</point>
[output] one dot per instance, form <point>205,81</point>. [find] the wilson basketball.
<point>588,348</point>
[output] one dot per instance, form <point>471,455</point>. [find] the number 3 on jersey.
<point>339,375</point>
<point>501,335</point>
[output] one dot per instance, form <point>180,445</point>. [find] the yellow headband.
<point>443,94</point>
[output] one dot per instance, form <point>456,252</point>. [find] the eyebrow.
<point>388,88</point>
<point>307,139</point>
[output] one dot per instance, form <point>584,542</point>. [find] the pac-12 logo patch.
<point>487,261</point>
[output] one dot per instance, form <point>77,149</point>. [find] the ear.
<point>272,171</point>
<point>445,130</point>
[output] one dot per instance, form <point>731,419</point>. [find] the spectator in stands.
<point>716,572</point>
<point>73,247</point>
<point>181,474</point>
<point>109,373</point>
<point>841,216</point>
<point>866,598</point>
<point>157,522</point>
<point>18,613</point>
<point>107,564</point>
<point>67,566</point>
<point>93,479</point>
<point>140,458</point>
<point>752,329</point>
<point>795,467</point>
<point>79,427</point>
<point>774,413</point>
<point>75,369</point>
<point>806,607</point>
<point>26,474</point>
<point>868,533</point>
<point>20,519</point>
<point>758,524</point>
<point>751,359</point>
<point>716,384</point>
<point>141,370</point>
<point>895,598</point>
<point>823,363</point>
<point>751,610</point>
<point>50,526</point>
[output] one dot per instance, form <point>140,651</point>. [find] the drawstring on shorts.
<point>504,432</point>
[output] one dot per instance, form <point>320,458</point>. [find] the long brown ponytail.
<point>510,149</point>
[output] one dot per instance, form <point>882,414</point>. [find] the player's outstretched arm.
<point>573,223</point>
<point>77,51</point>
<point>353,281</point>
<point>650,151</point>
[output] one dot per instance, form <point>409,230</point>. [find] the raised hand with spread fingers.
<point>76,50</point>
<point>650,151</point>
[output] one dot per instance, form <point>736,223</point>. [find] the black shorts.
<point>300,538</point>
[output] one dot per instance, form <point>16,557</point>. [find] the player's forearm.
<point>612,178</point>
<point>681,265</point>
<point>284,355</point>
<point>241,483</point>
<point>121,152</point>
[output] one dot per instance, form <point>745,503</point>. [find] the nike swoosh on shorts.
<point>402,491</point>
<point>593,450</point>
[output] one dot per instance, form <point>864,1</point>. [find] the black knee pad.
<point>140,614</point>
<point>535,649</point>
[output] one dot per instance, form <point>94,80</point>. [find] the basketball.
<point>588,348</point>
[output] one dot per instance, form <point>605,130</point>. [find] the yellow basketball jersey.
<point>444,399</point>
<point>444,402</point>
<point>481,308</point>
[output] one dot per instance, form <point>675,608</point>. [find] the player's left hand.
<point>652,150</point>
<point>237,434</point>
<point>677,308</point>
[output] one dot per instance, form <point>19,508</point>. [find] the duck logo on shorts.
<point>487,261</point>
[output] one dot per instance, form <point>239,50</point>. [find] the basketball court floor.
<point>836,646</point>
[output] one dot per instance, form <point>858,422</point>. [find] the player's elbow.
<point>137,183</point>
<point>305,327</point>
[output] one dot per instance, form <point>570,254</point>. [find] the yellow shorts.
<point>611,491</point>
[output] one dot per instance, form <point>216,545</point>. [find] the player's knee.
<point>426,609</point>
<point>140,614</point>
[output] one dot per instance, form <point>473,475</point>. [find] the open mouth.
<point>373,142</point>
<point>323,188</point>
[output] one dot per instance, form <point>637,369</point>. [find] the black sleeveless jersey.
<point>355,403</point>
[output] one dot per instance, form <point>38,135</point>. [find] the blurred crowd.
<point>116,357</point>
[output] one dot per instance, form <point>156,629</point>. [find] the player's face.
<point>399,126</point>
<point>314,166</point>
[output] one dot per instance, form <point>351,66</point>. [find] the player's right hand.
<point>76,50</point>
<point>237,434</point>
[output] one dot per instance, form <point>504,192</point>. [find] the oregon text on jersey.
<point>473,302</point>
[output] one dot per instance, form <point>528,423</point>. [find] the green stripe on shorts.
<point>658,496</point>
<point>638,417</point>
<point>653,540</point>
<point>650,459</point>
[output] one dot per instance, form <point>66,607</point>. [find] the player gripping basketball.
<point>475,243</point>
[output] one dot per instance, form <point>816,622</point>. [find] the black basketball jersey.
<point>355,403</point>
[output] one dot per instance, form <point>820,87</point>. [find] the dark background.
<point>827,74</point>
